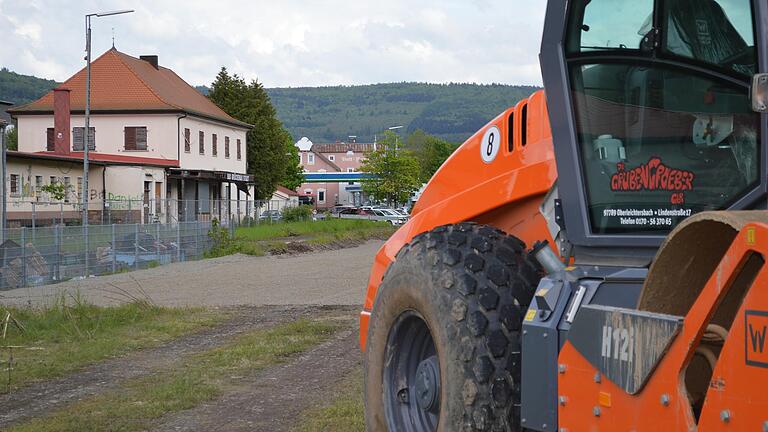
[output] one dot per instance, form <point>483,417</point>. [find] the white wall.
<point>110,138</point>
<point>162,139</point>
<point>194,160</point>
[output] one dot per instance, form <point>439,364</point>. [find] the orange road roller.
<point>594,258</point>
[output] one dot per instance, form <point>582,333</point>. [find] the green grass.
<point>334,226</point>
<point>65,337</point>
<point>194,380</point>
<point>273,237</point>
<point>344,412</point>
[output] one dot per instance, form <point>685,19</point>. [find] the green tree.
<point>272,157</point>
<point>394,173</point>
<point>12,138</point>
<point>430,151</point>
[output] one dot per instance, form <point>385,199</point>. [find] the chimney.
<point>61,120</point>
<point>151,59</point>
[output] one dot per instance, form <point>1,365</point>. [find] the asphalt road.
<point>336,277</point>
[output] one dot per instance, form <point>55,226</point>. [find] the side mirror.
<point>760,93</point>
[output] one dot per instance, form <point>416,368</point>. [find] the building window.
<point>135,138</point>
<point>53,180</point>
<point>201,142</point>
<point>67,188</point>
<point>310,158</point>
<point>15,185</point>
<point>78,138</point>
<point>350,170</point>
<point>187,141</point>
<point>214,144</point>
<point>239,153</point>
<point>308,191</point>
<point>79,186</point>
<point>226,147</point>
<point>321,196</point>
<point>50,140</point>
<point>332,158</point>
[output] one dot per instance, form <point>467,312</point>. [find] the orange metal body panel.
<point>504,193</point>
<point>736,388</point>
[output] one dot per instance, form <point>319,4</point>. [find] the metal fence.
<point>34,213</point>
<point>46,255</point>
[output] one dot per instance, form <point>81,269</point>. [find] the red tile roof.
<point>287,191</point>
<point>343,147</point>
<point>120,82</point>
<point>99,158</point>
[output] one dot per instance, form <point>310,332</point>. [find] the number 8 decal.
<point>489,146</point>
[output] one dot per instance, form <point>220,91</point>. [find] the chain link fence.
<point>34,213</point>
<point>46,243</point>
<point>46,255</point>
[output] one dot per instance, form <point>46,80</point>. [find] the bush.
<point>296,214</point>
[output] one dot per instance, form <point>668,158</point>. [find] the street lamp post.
<point>87,132</point>
<point>396,130</point>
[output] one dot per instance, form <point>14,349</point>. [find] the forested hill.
<point>449,111</point>
<point>20,89</point>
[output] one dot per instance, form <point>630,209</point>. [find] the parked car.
<point>270,215</point>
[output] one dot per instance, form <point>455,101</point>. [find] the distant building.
<point>157,147</point>
<point>332,171</point>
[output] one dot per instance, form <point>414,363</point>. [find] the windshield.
<point>660,140</point>
<point>716,32</point>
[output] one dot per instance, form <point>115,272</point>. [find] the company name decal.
<point>651,176</point>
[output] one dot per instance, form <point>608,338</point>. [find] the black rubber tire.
<point>471,285</point>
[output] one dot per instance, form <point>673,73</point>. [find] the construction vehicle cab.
<point>593,258</point>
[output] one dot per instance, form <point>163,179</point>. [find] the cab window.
<point>718,32</point>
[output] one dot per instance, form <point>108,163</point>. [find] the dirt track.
<point>334,277</point>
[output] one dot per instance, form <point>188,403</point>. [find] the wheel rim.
<point>411,376</point>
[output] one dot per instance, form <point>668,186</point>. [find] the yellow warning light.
<point>604,399</point>
<point>751,236</point>
<point>530,315</point>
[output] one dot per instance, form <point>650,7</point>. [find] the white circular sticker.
<point>489,146</point>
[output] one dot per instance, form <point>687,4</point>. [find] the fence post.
<point>136,247</point>
<point>61,213</point>
<point>57,241</point>
<point>178,241</point>
<point>23,256</point>
<point>197,239</point>
<point>130,216</point>
<point>114,250</point>
<point>85,239</point>
<point>247,211</point>
<point>157,242</point>
<point>34,235</point>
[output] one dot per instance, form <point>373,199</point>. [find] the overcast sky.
<point>286,43</point>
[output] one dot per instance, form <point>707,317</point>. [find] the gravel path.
<point>335,277</point>
<point>274,399</point>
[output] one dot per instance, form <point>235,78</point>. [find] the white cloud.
<point>287,43</point>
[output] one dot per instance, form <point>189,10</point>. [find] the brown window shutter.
<point>130,138</point>
<point>187,140</point>
<point>239,153</point>
<point>201,141</point>
<point>50,136</point>
<point>214,139</point>
<point>226,147</point>
<point>141,138</point>
<point>77,138</point>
